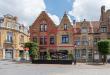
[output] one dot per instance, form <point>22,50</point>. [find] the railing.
<point>10,42</point>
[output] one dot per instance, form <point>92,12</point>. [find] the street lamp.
<point>75,53</point>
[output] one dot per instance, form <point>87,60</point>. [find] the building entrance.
<point>8,54</point>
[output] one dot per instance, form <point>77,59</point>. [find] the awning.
<point>63,51</point>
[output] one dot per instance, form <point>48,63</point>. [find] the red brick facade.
<point>67,34</point>
<point>35,31</point>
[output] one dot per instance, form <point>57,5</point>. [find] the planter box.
<point>52,61</point>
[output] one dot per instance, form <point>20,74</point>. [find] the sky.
<point>28,10</point>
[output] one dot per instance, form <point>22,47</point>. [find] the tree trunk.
<point>104,59</point>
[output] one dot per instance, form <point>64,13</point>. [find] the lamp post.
<point>75,54</point>
<point>86,54</point>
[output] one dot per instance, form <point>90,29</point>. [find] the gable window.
<point>52,40</point>
<point>65,39</point>
<point>65,26</point>
<point>43,27</point>
<point>103,29</point>
<point>84,30</point>
<point>9,25</point>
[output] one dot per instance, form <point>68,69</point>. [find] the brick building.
<point>77,38</point>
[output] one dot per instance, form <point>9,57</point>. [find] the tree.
<point>104,49</point>
<point>70,56</point>
<point>48,55</point>
<point>33,49</point>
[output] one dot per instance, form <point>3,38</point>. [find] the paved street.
<point>12,68</point>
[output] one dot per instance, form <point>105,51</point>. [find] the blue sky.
<point>58,7</point>
<point>28,10</point>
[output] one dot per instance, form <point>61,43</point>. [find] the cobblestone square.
<point>13,68</point>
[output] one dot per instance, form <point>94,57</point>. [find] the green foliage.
<point>33,49</point>
<point>70,56</point>
<point>48,56</point>
<point>104,47</point>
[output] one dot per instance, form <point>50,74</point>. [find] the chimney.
<point>102,12</point>
<point>102,9</point>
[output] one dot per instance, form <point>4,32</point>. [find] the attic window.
<point>43,27</point>
<point>103,29</point>
<point>84,30</point>
<point>65,26</point>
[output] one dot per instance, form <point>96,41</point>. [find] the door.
<point>8,54</point>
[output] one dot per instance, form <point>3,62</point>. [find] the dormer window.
<point>8,25</point>
<point>65,26</point>
<point>103,29</point>
<point>84,30</point>
<point>45,27</point>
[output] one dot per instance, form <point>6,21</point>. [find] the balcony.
<point>9,41</point>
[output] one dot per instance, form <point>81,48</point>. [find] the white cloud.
<point>54,18</point>
<point>26,10</point>
<point>70,20</point>
<point>88,9</point>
